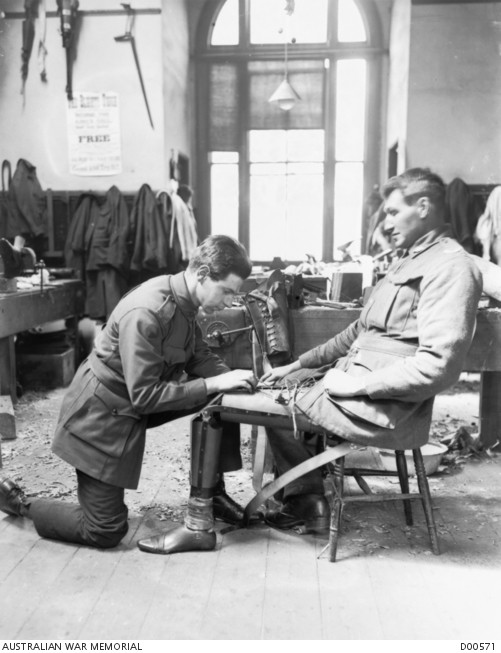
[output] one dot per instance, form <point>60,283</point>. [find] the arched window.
<point>287,183</point>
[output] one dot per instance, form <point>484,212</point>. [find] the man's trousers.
<point>100,517</point>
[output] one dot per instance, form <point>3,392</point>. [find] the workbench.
<point>313,325</point>
<point>22,310</point>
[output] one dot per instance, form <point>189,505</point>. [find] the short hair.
<point>415,183</point>
<point>223,255</point>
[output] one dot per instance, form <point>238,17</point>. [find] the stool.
<point>260,410</point>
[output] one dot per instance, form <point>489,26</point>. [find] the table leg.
<point>490,409</point>
<point>7,388</point>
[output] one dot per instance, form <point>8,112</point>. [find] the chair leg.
<point>337,507</point>
<point>424,490</point>
<point>403,477</point>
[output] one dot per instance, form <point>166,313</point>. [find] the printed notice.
<point>94,134</point>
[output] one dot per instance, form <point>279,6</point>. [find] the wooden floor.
<point>261,584</point>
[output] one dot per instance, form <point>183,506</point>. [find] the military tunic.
<point>408,344</point>
<point>137,370</point>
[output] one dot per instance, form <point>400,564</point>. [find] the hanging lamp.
<point>285,96</point>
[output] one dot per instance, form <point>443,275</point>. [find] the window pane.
<point>291,145</point>
<point>267,145</point>
<point>267,216</point>
<point>350,109</point>
<point>225,30</point>
<point>307,77</point>
<point>269,22</point>
<point>281,206</point>
<point>308,23</point>
<point>305,203</point>
<point>350,22</point>
<point>348,199</point>
<point>224,199</point>
<point>223,157</point>
<point>305,145</point>
<point>224,111</point>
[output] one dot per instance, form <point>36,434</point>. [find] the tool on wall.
<point>67,10</point>
<point>30,12</point>
<point>129,38</point>
<point>42,50</point>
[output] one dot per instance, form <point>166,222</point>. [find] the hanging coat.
<point>108,262</point>
<point>98,245</point>
<point>150,219</point>
<point>28,201</point>
<point>464,213</point>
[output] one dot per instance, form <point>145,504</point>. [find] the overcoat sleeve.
<point>330,351</point>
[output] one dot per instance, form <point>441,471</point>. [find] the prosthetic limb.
<point>197,533</point>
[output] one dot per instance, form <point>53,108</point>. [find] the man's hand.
<point>276,373</point>
<point>234,380</point>
<point>342,384</point>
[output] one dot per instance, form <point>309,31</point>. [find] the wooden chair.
<point>262,410</point>
<point>339,471</point>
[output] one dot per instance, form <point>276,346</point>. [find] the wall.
<point>37,131</point>
<point>398,84</point>
<point>178,109</point>
<point>454,115</point>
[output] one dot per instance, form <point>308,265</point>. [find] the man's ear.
<point>423,205</point>
<point>203,272</point>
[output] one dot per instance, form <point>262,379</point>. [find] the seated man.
<point>408,344</point>
<point>135,379</point>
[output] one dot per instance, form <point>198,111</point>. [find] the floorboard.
<point>259,584</point>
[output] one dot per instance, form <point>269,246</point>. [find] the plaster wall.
<point>398,85</point>
<point>454,112</point>
<point>36,129</point>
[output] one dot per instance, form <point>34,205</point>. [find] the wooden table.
<point>23,310</point>
<point>313,325</point>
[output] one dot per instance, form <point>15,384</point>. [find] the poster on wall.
<point>94,134</point>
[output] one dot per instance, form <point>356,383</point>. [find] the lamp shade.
<point>285,96</point>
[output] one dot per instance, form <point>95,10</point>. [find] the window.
<point>287,183</point>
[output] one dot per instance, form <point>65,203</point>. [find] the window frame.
<point>204,54</point>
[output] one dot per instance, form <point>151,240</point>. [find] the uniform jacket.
<point>409,344</point>
<point>136,368</point>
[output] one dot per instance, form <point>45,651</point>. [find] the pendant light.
<point>285,96</point>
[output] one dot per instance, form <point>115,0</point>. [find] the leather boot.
<point>227,509</point>
<point>224,507</point>
<point>178,540</point>
<point>12,499</point>
<point>308,510</point>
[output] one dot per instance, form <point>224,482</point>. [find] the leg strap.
<point>332,453</point>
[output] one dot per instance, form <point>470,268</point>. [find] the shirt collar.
<point>182,295</point>
<point>430,239</point>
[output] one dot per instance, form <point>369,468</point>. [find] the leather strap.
<point>257,320</point>
<point>332,453</point>
<point>259,458</point>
